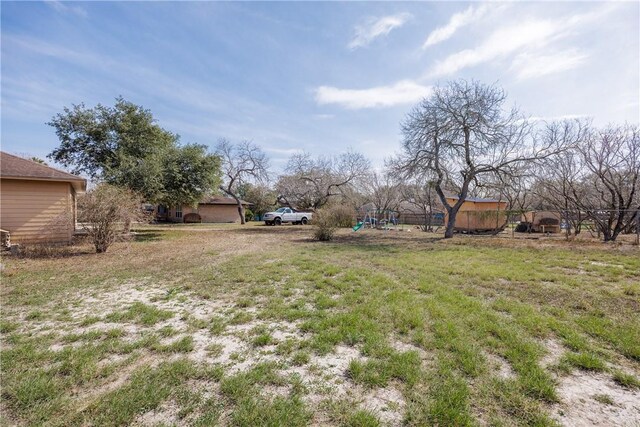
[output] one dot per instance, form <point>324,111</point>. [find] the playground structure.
<point>386,219</point>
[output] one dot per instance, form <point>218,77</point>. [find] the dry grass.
<point>255,325</point>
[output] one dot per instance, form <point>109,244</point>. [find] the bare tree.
<point>422,195</point>
<point>383,190</point>
<point>612,158</point>
<point>560,183</point>
<point>261,196</point>
<point>310,183</point>
<point>241,163</point>
<point>463,136</point>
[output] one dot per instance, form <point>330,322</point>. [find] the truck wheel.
<point>304,221</point>
<point>277,221</point>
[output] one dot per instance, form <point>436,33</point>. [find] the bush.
<point>328,219</point>
<point>192,218</point>
<point>107,211</point>
<point>343,216</point>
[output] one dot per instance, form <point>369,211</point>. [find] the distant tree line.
<point>461,140</point>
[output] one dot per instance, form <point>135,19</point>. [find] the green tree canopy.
<point>124,146</point>
<point>189,173</point>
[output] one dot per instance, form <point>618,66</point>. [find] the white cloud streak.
<point>534,119</point>
<point>63,7</point>
<point>377,27</point>
<point>500,43</point>
<point>457,21</point>
<point>525,39</point>
<point>531,65</point>
<point>402,92</point>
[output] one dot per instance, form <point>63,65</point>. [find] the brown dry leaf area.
<point>256,325</point>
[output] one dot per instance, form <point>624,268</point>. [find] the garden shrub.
<point>328,219</point>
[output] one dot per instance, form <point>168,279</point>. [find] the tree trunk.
<point>451,222</point>
<point>241,212</point>
<point>238,201</point>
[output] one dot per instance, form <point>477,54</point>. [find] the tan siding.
<point>171,214</point>
<point>209,213</point>
<point>219,213</point>
<point>37,210</point>
<point>472,216</point>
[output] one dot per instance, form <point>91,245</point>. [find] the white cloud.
<point>376,27</point>
<point>402,92</point>
<point>63,7</point>
<point>525,38</point>
<point>456,21</point>
<point>532,65</point>
<point>500,43</point>
<point>323,116</point>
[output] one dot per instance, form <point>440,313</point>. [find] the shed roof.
<point>16,167</point>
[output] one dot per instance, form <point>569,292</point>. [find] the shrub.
<point>106,211</point>
<point>192,218</point>
<point>342,215</point>
<point>328,219</point>
<point>323,225</point>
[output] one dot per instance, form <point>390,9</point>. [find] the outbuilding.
<point>478,215</point>
<point>541,221</point>
<point>37,202</point>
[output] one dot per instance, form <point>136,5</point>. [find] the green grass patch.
<point>460,302</point>
<point>585,361</point>
<point>140,313</point>
<point>147,389</point>
<point>626,380</point>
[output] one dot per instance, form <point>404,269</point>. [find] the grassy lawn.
<point>255,325</point>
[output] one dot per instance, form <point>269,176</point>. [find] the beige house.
<point>37,202</point>
<point>212,209</point>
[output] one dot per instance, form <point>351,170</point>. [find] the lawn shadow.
<point>271,229</point>
<point>375,242</point>
<point>44,251</point>
<point>147,236</point>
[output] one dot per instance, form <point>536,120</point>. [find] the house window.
<point>179,212</point>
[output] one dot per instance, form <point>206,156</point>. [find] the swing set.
<point>378,219</point>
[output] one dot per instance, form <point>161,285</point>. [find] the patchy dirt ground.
<point>595,400</point>
<point>325,377</point>
<point>386,328</point>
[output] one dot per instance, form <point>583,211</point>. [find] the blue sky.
<point>320,77</point>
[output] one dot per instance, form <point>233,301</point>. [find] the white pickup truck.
<point>282,215</point>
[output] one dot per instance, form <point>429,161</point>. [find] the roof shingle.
<point>16,167</point>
